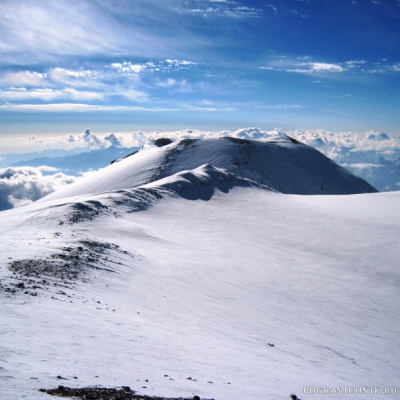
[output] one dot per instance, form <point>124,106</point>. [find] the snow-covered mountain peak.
<point>279,162</point>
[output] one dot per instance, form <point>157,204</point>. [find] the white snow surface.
<point>200,288</point>
<point>207,275</point>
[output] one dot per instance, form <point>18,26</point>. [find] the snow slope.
<point>280,163</point>
<point>200,283</point>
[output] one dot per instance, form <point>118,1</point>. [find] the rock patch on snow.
<point>99,393</point>
<point>60,270</point>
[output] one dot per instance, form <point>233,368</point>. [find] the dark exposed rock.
<point>86,211</point>
<point>162,142</point>
<point>98,393</point>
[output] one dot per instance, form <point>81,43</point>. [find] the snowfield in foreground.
<point>200,290</point>
<point>202,281</point>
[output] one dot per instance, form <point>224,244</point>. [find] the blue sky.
<point>124,65</point>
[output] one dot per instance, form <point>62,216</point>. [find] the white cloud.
<point>362,165</point>
<point>23,78</point>
<point>178,85</point>
<point>19,94</point>
<point>395,67</point>
<point>85,139</point>
<point>281,106</point>
<point>46,168</point>
<point>326,67</point>
<point>77,107</point>
<point>179,64</point>
<point>113,140</point>
<point>81,95</point>
<point>243,12</point>
<point>47,94</point>
<point>316,67</point>
<point>385,68</point>
<point>304,65</point>
<point>168,83</point>
<point>272,7</point>
<point>354,63</point>
<point>256,133</point>
<point>125,80</point>
<point>20,186</point>
<point>130,94</point>
<point>76,85</point>
<point>339,144</point>
<point>128,68</point>
<point>70,77</point>
<point>38,31</point>
<point>90,139</point>
<point>218,8</point>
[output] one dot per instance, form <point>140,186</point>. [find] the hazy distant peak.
<point>374,135</point>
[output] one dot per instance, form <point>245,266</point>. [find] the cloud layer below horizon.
<point>20,186</point>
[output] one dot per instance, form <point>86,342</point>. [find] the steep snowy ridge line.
<point>198,184</point>
<point>202,182</point>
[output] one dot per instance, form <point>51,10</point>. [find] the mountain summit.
<point>281,164</point>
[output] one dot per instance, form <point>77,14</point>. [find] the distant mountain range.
<point>76,164</point>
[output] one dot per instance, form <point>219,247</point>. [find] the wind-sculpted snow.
<point>198,184</point>
<point>201,183</point>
